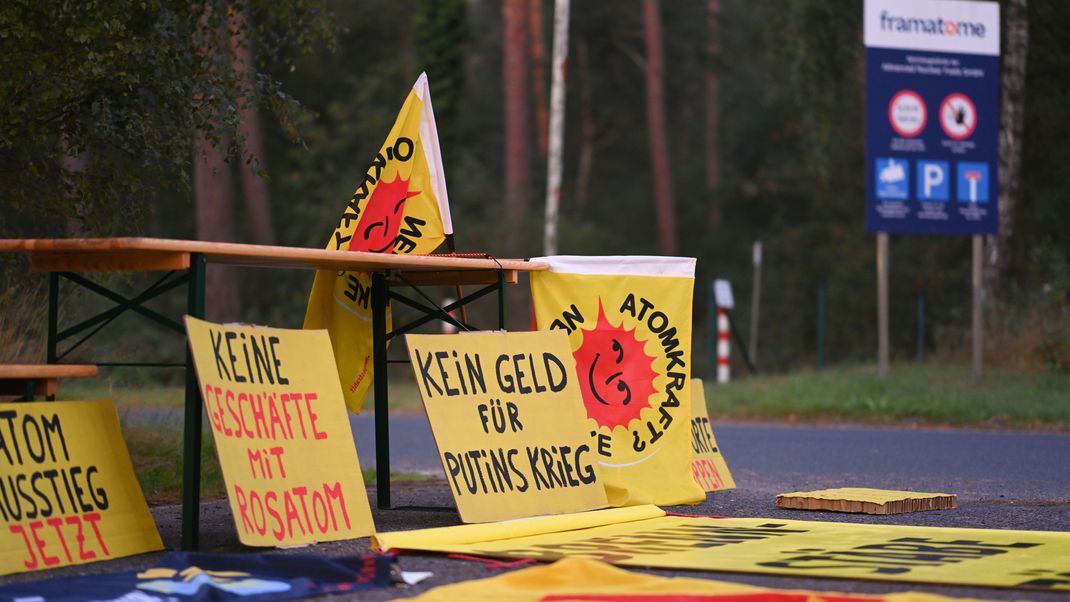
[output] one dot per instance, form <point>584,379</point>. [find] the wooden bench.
<point>29,380</point>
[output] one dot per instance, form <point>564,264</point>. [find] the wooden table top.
<point>22,371</point>
<point>118,254</point>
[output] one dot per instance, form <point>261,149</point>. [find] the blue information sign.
<point>932,116</point>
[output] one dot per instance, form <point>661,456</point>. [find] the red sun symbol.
<point>378,227</point>
<point>616,375</point>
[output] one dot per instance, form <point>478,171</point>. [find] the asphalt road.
<point>777,458</point>
<point>1003,480</point>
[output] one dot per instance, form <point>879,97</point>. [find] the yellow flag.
<point>400,206</point>
<point>629,324</point>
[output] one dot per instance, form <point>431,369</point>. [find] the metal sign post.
<point>932,130</point>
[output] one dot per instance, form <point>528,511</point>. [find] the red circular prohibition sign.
<point>952,109</point>
<point>911,95</point>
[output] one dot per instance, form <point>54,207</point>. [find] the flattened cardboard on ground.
<point>866,501</point>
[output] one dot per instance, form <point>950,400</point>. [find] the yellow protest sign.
<point>984,557</point>
<point>400,206</point>
<point>629,324</point>
<point>583,580</point>
<point>506,414</point>
<point>68,494</point>
<point>281,433</point>
<point>708,465</point>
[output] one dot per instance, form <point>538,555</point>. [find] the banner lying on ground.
<point>281,433</point>
<point>708,465</point>
<point>193,577</point>
<point>67,489</point>
<point>645,536</point>
<point>629,323</point>
<point>400,206</point>
<point>582,580</point>
<point>506,412</point>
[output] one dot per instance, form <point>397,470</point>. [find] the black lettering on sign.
<point>438,369</point>
<point>897,556</point>
<point>500,417</point>
<point>405,241</point>
<point>259,361</point>
<point>569,319</point>
<point>356,291</point>
<point>520,373</point>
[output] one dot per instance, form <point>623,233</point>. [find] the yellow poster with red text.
<point>708,465</point>
<point>400,206</point>
<point>68,494</point>
<point>629,325</point>
<point>281,432</point>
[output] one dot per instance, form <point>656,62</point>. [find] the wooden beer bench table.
<point>183,263</point>
<point>30,380</point>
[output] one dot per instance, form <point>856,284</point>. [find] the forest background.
<point>254,122</point>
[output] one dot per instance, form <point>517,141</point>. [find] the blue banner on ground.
<point>932,116</point>
<point>187,577</point>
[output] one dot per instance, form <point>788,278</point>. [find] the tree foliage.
<point>122,86</point>
<point>123,83</point>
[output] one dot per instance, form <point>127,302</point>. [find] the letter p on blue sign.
<point>934,181</point>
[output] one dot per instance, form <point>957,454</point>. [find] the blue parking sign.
<point>933,181</point>
<point>932,116</point>
<point>972,185</point>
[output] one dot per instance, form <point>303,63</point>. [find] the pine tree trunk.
<point>538,77</point>
<point>1012,116</point>
<point>254,187</point>
<point>658,129</point>
<point>713,158</point>
<point>215,222</point>
<point>517,113</point>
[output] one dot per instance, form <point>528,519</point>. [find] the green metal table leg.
<point>191,451</point>
<point>53,317</point>
<point>382,407</point>
<point>501,300</point>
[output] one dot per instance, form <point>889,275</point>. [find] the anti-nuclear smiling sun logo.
<point>616,374</point>
<point>378,228</point>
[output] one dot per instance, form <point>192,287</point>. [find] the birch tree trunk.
<point>1012,116</point>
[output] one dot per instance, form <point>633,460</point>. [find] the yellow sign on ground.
<point>67,489</point>
<point>506,413</point>
<point>648,538</point>
<point>281,432</point>
<point>629,324</point>
<point>400,206</point>
<point>583,580</point>
<point>708,465</point>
